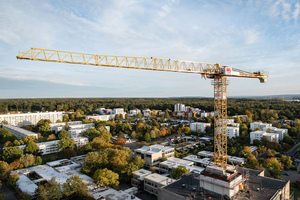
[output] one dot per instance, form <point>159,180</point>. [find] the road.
<point>293,176</point>
<point>293,150</point>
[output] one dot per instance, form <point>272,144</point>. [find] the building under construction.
<point>242,184</point>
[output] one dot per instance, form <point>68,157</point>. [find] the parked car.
<point>287,174</point>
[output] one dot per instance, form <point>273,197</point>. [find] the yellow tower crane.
<point>216,72</point>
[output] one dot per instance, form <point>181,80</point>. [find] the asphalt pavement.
<point>8,193</point>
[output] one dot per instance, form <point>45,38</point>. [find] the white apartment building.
<point>231,122</point>
<point>81,141</point>
<point>118,111</point>
<point>134,112</point>
<point>25,119</point>
<point>179,107</point>
<point>46,147</point>
<point>153,154</point>
<point>280,131</point>
<point>233,132</point>
<point>101,117</point>
<point>19,132</point>
<point>260,125</point>
<point>147,113</point>
<point>199,126</point>
<point>257,135</point>
<point>154,181</point>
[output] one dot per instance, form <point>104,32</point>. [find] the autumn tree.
<point>264,140</point>
<point>120,141</point>
<point>106,177</point>
<point>163,132</point>
<point>179,171</point>
<point>27,160</point>
<point>274,167</point>
<point>147,137</point>
<point>51,137</point>
<point>74,186</point>
<point>273,145</point>
<point>287,161</point>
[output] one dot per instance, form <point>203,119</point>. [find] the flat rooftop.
<point>141,172</point>
<point>157,178</point>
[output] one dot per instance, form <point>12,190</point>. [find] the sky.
<point>250,35</point>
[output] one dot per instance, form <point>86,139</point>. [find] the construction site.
<point>220,181</point>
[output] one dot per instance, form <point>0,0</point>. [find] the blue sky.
<point>249,35</point>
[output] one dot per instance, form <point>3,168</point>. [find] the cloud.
<point>296,11</point>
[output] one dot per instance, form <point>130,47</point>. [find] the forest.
<point>261,109</point>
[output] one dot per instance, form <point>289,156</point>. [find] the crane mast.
<point>216,72</point>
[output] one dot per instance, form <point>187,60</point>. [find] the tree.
<point>74,186</point>
<point>271,152</point>
<point>139,162</point>
<point>16,165</point>
<point>38,161</point>
<point>51,137</point>
<point>269,130</point>
<point>12,153</point>
<point>287,161</point>
<point>127,171</point>
<point>252,162</point>
<point>12,180</point>
<point>264,140</point>
<point>256,142</point>
<point>273,145</point>
<point>65,118</point>
<point>274,167</point>
<point>120,141</point>
<point>152,134</point>
<point>6,135</point>
<point>66,143</point>
<point>178,172</point>
<point>247,151</point>
<point>31,148</point>
<point>63,134</point>
<point>50,190</point>
<point>288,139</point>
<point>27,160</point>
<point>99,143</point>
<point>147,137</point>
<point>106,177</point>
<point>4,170</point>
<point>163,132</point>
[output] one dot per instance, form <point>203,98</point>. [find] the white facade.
<point>100,117</point>
<point>154,181</point>
<point>260,125</point>
<point>179,107</point>
<point>46,147</point>
<point>153,154</point>
<point>280,131</point>
<point>146,113</point>
<point>138,176</point>
<point>25,119</point>
<point>19,132</point>
<point>199,126</point>
<point>81,141</point>
<point>233,132</point>
<point>134,112</point>
<point>57,127</point>
<point>257,135</point>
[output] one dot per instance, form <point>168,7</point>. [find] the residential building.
<point>280,131</point>
<point>57,127</point>
<point>153,154</point>
<point>81,141</point>
<point>134,112</point>
<point>199,126</point>
<point>24,119</point>
<point>19,132</point>
<point>154,181</point>
<point>260,125</point>
<point>257,135</point>
<point>146,113</point>
<point>179,107</point>
<point>100,117</point>
<point>233,132</point>
<point>138,176</point>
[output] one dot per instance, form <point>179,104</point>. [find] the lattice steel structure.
<point>207,70</point>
